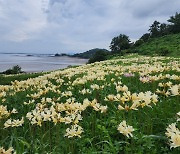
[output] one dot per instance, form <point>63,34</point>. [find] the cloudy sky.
<point>50,26</point>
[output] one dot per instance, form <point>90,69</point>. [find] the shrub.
<point>138,42</point>
<point>99,55</point>
<point>14,70</point>
<point>163,52</point>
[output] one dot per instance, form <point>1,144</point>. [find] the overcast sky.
<point>64,26</point>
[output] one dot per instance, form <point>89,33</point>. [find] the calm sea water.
<point>37,62</point>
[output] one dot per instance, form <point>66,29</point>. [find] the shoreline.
<point>31,64</point>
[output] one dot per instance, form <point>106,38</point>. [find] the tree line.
<point>122,42</point>
<point>157,29</point>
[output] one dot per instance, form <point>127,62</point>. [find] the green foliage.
<point>171,44</point>
<point>89,54</point>
<point>120,43</point>
<point>164,29</point>
<point>163,52</point>
<point>99,55</point>
<point>160,29</point>
<point>6,80</point>
<point>138,42</point>
<point>157,30</point>
<point>154,29</point>
<point>145,37</point>
<point>175,23</point>
<point>14,70</point>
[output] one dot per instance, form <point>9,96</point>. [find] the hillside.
<point>88,54</point>
<point>125,105</point>
<point>157,45</point>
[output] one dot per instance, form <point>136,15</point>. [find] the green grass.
<point>7,79</point>
<point>154,45</point>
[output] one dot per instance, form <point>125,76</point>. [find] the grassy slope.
<point>170,42</point>
<point>6,80</point>
<point>101,135</point>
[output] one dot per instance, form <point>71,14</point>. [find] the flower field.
<point>124,105</point>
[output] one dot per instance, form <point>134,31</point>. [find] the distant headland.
<point>85,55</point>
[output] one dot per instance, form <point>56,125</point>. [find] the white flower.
<point>174,134</point>
<point>103,109</point>
<point>175,90</point>
<point>75,130</point>
<point>125,129</point>
<point>178,114</point>
<point>13,123</point>
<point>9,151</point>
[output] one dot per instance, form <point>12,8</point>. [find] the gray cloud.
<point>76,25</point>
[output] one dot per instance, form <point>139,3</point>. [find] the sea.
<point>37,62</point>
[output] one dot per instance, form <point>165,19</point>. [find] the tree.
<point>145,37</point>
<point>14,70</point>
<point>99,55</point>
<point>163,29</point>
<point>138,42</point>
<point>175,23</point>
<point>154,29</point>
<point>119,43</point>
<point>142,39</point>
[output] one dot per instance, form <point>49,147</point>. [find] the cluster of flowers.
<point>151,78</point>
<point>13,123</point>
<point>168,89</point>
<point>125,129</point>
<point>4,113</point>
<point>71,109</point>
<point>9,151</point>
<point>62,86</point>
<point>3,91</point>
<point>128,101</point>
<point>173,133</point>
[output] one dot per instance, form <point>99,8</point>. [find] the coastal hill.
<point>125,105</point>
<point>168,45</point>
<point>88,54</point>
<point>85,55</point>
